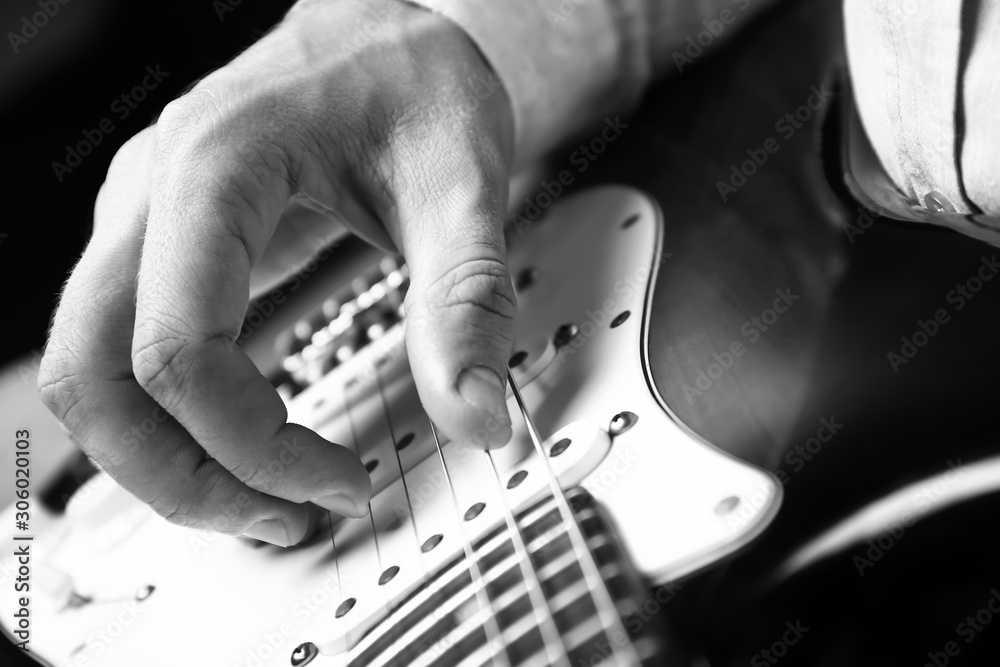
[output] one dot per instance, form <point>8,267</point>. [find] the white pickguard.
<point>679,504</point>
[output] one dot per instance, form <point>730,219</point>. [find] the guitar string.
<point>493,635</point>
<point>329,514</point>
<point>576,536</point>
<point>357,446</point>
<point>546,624</point>
<point>607,611</point>
<point>336,558</point>
<point>395,449</point>
<point>496,645</point>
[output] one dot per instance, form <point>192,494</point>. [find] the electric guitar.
<point>673,346</point>
<point>533,554</point>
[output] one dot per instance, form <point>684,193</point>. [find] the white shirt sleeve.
<point>926,78</point>
<point>563,63</point>
<point>567,64</point>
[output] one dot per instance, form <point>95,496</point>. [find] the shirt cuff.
<point>927,88</point>
<point>564,63</point>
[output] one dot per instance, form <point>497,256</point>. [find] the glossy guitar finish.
<point>825,357</point>
<point>676,503</point>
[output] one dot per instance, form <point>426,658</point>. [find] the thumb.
<point>460,306</point>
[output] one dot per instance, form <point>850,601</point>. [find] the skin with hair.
<point>387,116</point>
<point>386,132</point>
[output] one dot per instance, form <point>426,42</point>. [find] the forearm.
<point>566,64</point>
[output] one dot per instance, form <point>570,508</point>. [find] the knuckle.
<point>186,512</point>
<point>126,169</point>
<point>236,126</point>
<point>61,389</point>
<point>175,511</point>
<point>263,479</point>
<point>193,115</point>
<point>481,285</point>
<point>187,506</point>
<point>62,382</point>
<point>227,147</point>
<point>161,360</point>
<point>131,154</point>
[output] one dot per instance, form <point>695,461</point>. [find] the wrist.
<point>564,65</point>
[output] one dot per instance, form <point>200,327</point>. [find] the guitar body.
<point>676,503</point>
<point>757,324</point>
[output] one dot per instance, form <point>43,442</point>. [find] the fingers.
<point>142,366</point>
<point>460,307</point>
<point>208,223</point>
<point>86,379</point>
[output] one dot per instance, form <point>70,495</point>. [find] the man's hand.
<point>369,112</point>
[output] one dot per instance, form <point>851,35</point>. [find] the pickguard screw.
<point>727,505</point>
<point>526,278</point>
<point>560,447</point>
<point>622,422</point>
<point>517,358</point>
<point>565,334</point>
<point>618,321</point>
<point>304,654</point>
<point>345,607</point>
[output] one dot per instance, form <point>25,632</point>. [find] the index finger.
<point>85,378</point>
<point>206,228</point>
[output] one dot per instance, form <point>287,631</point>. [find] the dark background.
<point>61,83</point>
<point>58,85</point>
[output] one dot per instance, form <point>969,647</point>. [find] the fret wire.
<point>357,446</point>
<point>399,461</point>
<point>555,647</point>
<point>493,634</point>
<point>607,611</point>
